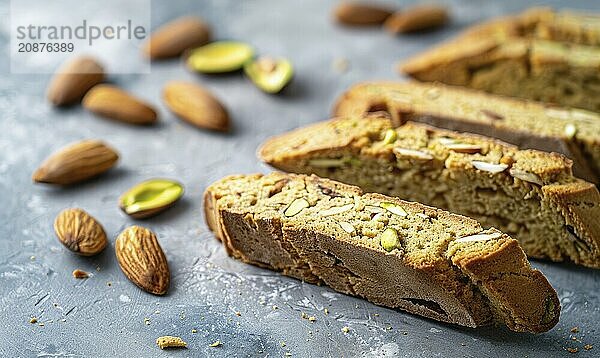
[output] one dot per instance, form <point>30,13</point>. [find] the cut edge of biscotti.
<point>327,232</point>
<point>527,124</point>
<point>340,146</point>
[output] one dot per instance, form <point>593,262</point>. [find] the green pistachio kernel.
<point>150,197</point>
<point>390,136</point>
<point>389,239</point>
<point>220,57</point>
<point>268,74</point>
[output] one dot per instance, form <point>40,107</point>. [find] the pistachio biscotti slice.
<point>528,194</point>
<point>561,73</point>
<point>572,132</point>
<point>394,253</point>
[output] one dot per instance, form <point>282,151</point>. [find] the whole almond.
<point>417,18</point>
<point>112,102</point>
<point>361,14</point>
<point>173,38</point>
<point>76,162</point>
<point>196,105</point>
<point>142,260</point>
<point>80,232</point>
<point>73,80</point>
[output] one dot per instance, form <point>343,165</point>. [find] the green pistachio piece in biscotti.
<point>389,136</point>
<point>220,57</point>
<point>150,197</point>
<point>268,74</point>
<point>389,239</point>
<point>296,207</point>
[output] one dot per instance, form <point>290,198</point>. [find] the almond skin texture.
<point>142,260</point>
<point>73,80</point>
<point>80,232</point>
<point>196,105</point>
<point>173,38</point>
<point>417,18</point>
<point>361,14</point>
<point>114,103</point>
<point>76,162</point>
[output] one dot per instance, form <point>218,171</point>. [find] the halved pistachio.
<point>150,197</point>
<point>390,136</point>
<point>296,206</point>
<point>526,176</point>
<point>336,210</point>
<point>394,209</point>
<point>349,228</point>
<point>220,57</point>
<point>268,74</point>
<point>389,239</point>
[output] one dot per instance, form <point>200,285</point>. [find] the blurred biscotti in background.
<point>541,55</point>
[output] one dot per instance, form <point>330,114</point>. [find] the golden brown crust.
<point>467,286</point>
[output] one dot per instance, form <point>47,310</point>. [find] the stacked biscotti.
<point>531,195</point>
<point>572,132</point>
<point>540,55</point>
<point>394,253</point>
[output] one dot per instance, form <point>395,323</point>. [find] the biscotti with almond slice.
<point>528,194</point>
<point>572,132</point>
<point>393,253</point>
<point>503,58</point>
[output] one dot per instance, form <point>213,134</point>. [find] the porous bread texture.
<point>518,57</point>
<point>528,194</point>
<point>572,132</point>
<point>442,266</point>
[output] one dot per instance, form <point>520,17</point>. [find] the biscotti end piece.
<point>331,233</point>
<point>528,194</point>
<point>572,132</point>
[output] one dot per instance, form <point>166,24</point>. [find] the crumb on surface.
<point>575,329</point>
<point>216,344</point>
<point>77,273</point>
<point>275,307</point>
<point>588,347</point>
<point>345,329</point>
<point>146,321</point>
<point>170,342</point>
<point>572,350</point>
<point>194,330</point>
<point>238,313</point>
<point>326,311</point>
<point>109,284</point>
<point>33,320</point>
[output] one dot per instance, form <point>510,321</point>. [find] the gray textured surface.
<point>91,318</point>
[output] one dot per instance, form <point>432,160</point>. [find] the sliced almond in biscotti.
<point>417,18</point>
<point>196,105</point>
<point>354,13</point>
<point>112,102</point>
<point>73,80</point>
<point>76,162</point>
<point>173,38</point>
<point>142,260</point>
